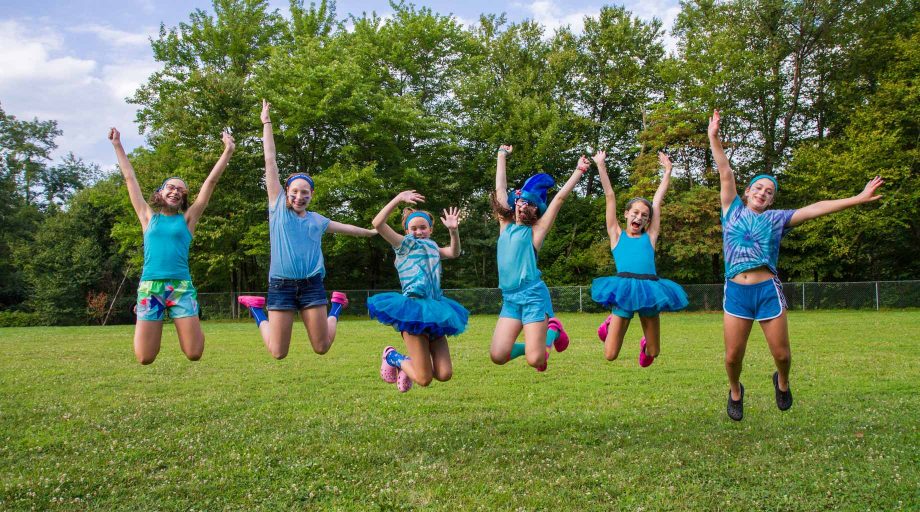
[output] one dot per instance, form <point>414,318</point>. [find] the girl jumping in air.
<point>751,237</point>
<point>525,219</point>
<point>168,223</point>
<point>423,315</point>
<point>296,271</point>
<point>636,287</point>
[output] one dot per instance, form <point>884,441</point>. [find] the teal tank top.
<point>517,259</point>
<point>418,262</point>
<point>634,255</point>
<point>166,244</point>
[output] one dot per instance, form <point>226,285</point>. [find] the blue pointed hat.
<point>533,191</point>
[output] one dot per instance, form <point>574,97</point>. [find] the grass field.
<point>85,427</point>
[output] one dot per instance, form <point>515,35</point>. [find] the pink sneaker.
<point>251,301</point>
<point>340,298</point>
<point>645,360</point>
<point>545,362</point>
<point>602,330</point>
<point>388,372</point>
<point>562,341</point>
<point>403,382</point>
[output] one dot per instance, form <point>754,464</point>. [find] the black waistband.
<point>647,277</point>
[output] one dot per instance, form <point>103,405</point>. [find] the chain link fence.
<point>575,299</point>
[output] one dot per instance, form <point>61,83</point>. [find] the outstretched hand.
<point>664,161</point>
<point>868,194</point>
<point>505,149</point>
<point>411,197</point>
<point>229,143</point>
<point>266,106</point>
<point>713,130</point>
<point>583,164</point>
<point>114,136</point>
<point>599,158</point>
<point>451,218</point>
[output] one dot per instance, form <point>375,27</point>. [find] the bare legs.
<point>276,332</point>
<point>616,332</point>
<point>507,331</point>
<point>427,359</point>
<point>148,335</point>
<point>736,332</point>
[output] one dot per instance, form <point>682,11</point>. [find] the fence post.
<point>579,300</point>
<point>803,296</point>
<point>876,295</point>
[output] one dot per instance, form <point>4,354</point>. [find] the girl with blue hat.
<point>636,288</point>
<point>168,223</point>
<point>525,218</point>
<point>296,271</point>
<point>751,235</point>
<point>423,315</point>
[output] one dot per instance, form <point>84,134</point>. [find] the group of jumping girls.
<point>425,317</point>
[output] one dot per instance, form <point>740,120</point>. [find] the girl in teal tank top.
<point>524,219</point>
<point>168,223</point>
<point>636,287</point>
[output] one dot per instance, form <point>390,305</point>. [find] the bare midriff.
<point>753,276</point>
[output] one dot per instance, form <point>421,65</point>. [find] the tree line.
<point>821,93</point>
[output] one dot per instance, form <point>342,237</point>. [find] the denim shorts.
<point>157,296</point>
<point>529,303</point>
<point>295,294</point>
<point>760,301</point>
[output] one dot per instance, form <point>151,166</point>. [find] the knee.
<point>734,357</point>
<point>321,350</point>
<point>194,356</point>
<point>145,359</point>
<point>499,358</point>
<point>536,360</point>
<point>783,357</point>
<point>279,354</point>
<point>424,380</point>
<point>443,375</point>
<point>612,356</point>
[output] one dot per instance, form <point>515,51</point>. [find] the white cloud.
<point>552,16</point>
<point>42,78</point>
<point>113,36</point>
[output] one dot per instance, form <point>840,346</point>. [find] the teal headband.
<point>764,176</point>
<point>172,178</point>
<point>299,177</point>
<point>417,214</point>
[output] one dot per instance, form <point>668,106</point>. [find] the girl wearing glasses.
<point>168,223</point>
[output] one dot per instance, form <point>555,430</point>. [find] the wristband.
<point>267,122</point>
<point>504,151</point>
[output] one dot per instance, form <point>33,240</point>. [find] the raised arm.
<point>380,221</point>
<point>272,183</point>
<point>658,200</point>
<point>835,205</point>
<point>141,208</point>
<point>728,191</point>
<point>349,229</point>
<point>451,221</point>
<point>204,195</point>
<point>501,174</point>
<point>610,199</point>
<point>542,227</point>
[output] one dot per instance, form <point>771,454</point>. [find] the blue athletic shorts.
<point>761,301</point>
<point>529,303</point>
<point>295,294</point>
<point>644,313</point>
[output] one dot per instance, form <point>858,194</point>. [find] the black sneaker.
<point>735,408</point>
<point>783,398</point>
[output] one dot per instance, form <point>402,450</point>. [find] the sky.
<point>76,61</point>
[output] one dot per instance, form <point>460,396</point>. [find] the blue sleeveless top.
<point>634,255</point>
<point>517,258</point>
<point>295,242</point>
<point>166,243</point>
<point>419,265</point>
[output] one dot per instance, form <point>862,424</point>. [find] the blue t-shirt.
<point>634,255</point>
<point>296,242</point>
<point>750,239</point>
<point>166,243</point>
<point>419,265</point>
<point>517,259</point>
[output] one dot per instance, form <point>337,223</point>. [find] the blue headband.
<point>764,176</point>
<point>417,214</point>
<point>299,177</point>
<point>171,178</point>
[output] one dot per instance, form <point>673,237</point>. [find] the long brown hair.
<point>158,202</point>
<point>503,213</point>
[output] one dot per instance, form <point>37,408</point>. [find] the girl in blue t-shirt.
<point>524,221</point>
<point>636,288</point>
<point>423,315</point>
<point>168,223</point>
<point>296,271</point>
<point>751,236</point>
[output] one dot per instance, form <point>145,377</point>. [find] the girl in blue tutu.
<point>525,219</point>
<point>423,315</point>
<point>636,287</point>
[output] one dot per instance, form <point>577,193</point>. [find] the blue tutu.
<point>631,294</point>
<point>435,318</point>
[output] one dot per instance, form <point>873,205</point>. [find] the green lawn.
<point>85,427</point>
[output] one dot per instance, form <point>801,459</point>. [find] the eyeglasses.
<point>169,187</point>
<point>525,202</point>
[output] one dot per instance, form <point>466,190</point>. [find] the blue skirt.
<point>435,318</point>
<point>632,294</point>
